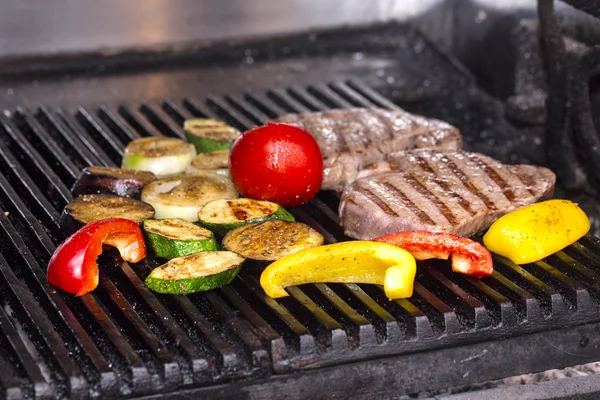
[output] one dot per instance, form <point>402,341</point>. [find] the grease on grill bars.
<point>123,339</point>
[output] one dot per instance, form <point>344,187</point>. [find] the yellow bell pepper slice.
<point>346,262</point>
<point>536,231</point>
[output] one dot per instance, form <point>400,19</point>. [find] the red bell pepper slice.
<point>468,256</point>
<point>73,267</point>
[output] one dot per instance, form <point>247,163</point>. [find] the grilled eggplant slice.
<point>196,272</point>
<point>183,196</point>
<point>221,216</point>
<point>216,161</point>
<point>271,240</point>
<point>109,180</point>
<point>94,207</point>
<point>161,156</point>
<point>172,238</point>
<point>209,134</point>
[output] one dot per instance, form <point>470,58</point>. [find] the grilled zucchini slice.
<point>172,238</point>
<point>221,216</point>
<point>196,272</point>
<point>209,134</point>
<point>271,240</point>
<point>94,207</point>
<point>110,180</point>
<point>161,156</point>
<point>216,161</point>
<point>183,196</point>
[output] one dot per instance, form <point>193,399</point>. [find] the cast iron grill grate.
<point>124,340</point>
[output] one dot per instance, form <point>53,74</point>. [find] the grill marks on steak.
<point>438,190</point>
<point>351,139</point>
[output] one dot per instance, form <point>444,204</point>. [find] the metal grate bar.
<point>301,336</point>
<point>573,292</point>
<point>328,96</point>
<point>265,104</point>
<point>371,95</point>
<point>31,368</point>
<point>302,96</point>
<point>228,113</point>
<point>57,309</point>
<point>247,109</point>
<point>227,357</point>
<point>36,324</point>
<point>287,101</point>
<point>137,121</point>
<point>350,95</point>
<point>102,136</point>
<point>549,299</point>
<point>177,114</point>
<point>157,117</point>
<point>359,326</point>
<point>384,321</point>
<point>257,323</point>
<point>449,322</point>
<point>73,132</point>
<point>71,143</point>
<point>241,328</point>
<point>180,338</point>
<point>323,324</point>
<point>170,369</point>
<point>137,372</point>
<point>47,180</point>
<point>114,122</point>
<point>47,147</point>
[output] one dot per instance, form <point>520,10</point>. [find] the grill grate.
<point>124,340</point>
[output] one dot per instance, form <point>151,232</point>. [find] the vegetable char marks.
<point>351,139</point>
<point>439,191</point>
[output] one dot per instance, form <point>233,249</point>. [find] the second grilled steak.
<point>438,190</point>
<point>353,138</point>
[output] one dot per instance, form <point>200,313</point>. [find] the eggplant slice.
<point>94,207</point>
<point>110,180</point>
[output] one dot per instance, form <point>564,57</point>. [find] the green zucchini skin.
<point>209,135</point>
<point>170,244</point>
<point>204,145</point>
<point>195,273</point>
<point>192,285</point>
<point>221,228</point>
<point>169,248</point>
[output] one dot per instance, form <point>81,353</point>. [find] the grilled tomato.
<point>277,162</point>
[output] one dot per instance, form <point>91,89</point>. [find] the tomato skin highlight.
<point>73,266</point>
<point>277,162</point>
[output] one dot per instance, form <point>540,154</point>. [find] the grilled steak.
<point>351,139</point>
<point>438,190</point>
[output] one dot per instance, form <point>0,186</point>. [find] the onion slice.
<point>162,156</point>
<point>183,196</point>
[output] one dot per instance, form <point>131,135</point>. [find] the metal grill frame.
<point>124,340</point>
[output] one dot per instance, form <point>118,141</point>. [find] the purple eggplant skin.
<point>110,180</point>
<point>93,207</point>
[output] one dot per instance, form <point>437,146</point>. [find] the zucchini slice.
<point>161,156</point>
<point>209,134</point>
<point>109,180</point>
<point>223,215</point>
<point>94,207</point>
<point>183,196</point>
<point>196,272</point>
<point>271,240</point>
<point>216,161</point>
<point>172,238</point>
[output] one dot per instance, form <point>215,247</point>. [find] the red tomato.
<point>277,162</point>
